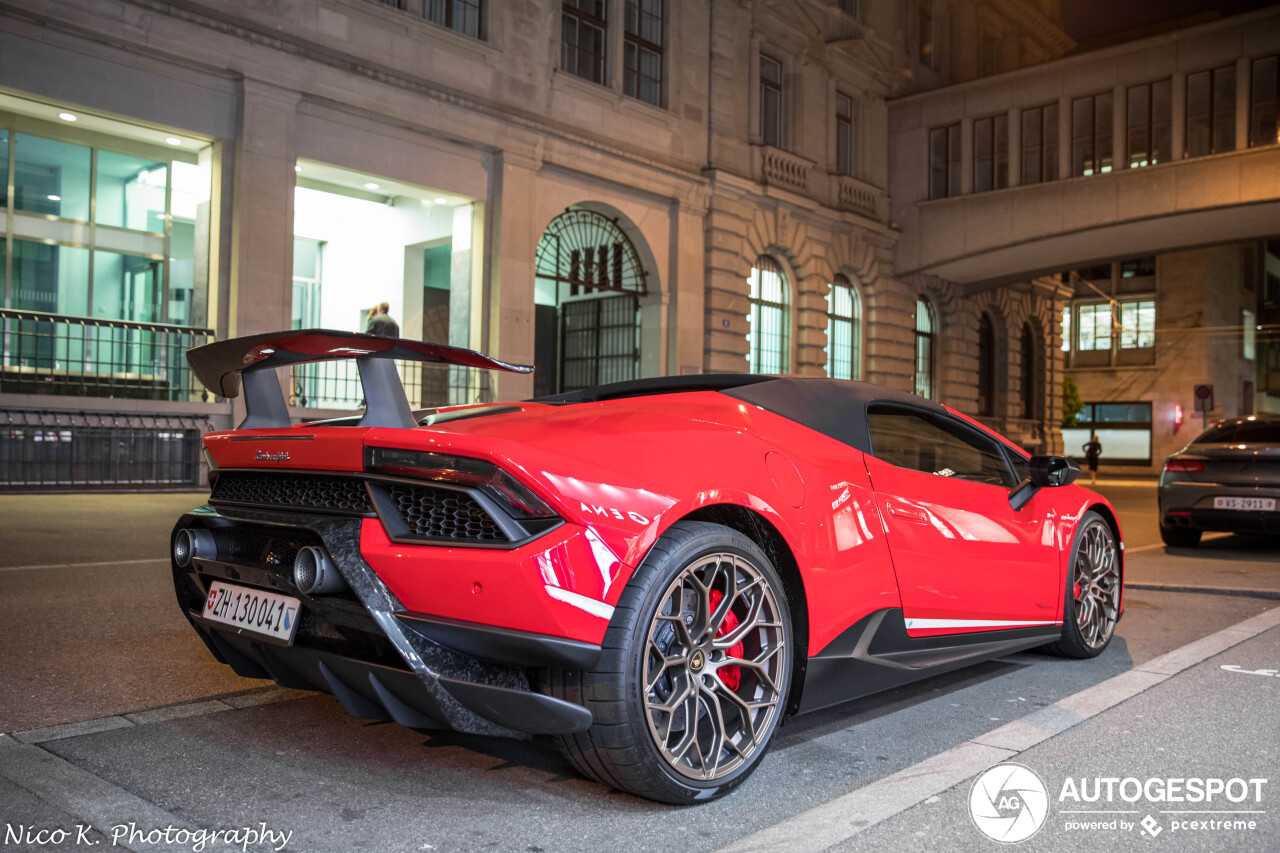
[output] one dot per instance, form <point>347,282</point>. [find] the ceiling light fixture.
<point>55,198</point>
<point>67,116</point>
<point>173,140</point>
<point>371,186</point>
<point>441,200</point>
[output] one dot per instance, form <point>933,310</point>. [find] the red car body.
<point>620,472</point>
<point>892,574</point>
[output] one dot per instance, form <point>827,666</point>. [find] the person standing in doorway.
<point>1092,450</point>
<point>381,325</point>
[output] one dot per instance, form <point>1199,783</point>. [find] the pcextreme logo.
<point>1009,803</point>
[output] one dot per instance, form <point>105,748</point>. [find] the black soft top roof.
<point>834,407</point>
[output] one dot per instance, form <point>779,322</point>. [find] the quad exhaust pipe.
<point>315,574</point>
<point>313,571</point>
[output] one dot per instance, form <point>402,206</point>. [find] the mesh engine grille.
<point>444,514</point>
<point>300,491</point>
<point>257,547</point>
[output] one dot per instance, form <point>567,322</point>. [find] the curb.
<point>1272,594</point>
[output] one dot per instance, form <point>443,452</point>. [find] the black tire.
<point>1180,537</point>
<point>620,749</point>
<point>1079,641</point>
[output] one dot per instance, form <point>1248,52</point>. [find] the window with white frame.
<point>1093,327</point>
<point>768,339</point>
<point>926,330</point>
<point>1138,324</point>
<point>844,330</point>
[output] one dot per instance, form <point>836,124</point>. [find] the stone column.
<point>727,289</point>
<point>686,290</point>
<point>510,305</point>
<point>811,327</point>
<point>262,221</point>
<point>261,266</point>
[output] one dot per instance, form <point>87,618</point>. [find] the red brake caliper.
<point>730,675</point>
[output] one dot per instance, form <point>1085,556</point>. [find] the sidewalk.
<point>1205,722</point>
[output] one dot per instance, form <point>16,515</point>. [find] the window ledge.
<point>415,24</point>
<point>563,81</point>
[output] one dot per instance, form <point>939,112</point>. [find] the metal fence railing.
<point>82,356</point>
<point>85,450</point>
<point>336,385</point>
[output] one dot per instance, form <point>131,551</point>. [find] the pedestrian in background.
<point>1092,450</point>
<point>380,323</point>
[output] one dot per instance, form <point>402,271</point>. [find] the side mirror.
<point>1043,472</point>
<point>1049,471</point>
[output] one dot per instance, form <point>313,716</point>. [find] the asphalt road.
<point>148,729</point>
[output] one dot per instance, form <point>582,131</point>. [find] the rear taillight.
<point>461,471</point>
<point>1183,466</point>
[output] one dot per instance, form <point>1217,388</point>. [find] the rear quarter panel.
<point>629,469</point>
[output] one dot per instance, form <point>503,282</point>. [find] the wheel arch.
<point>1108,515</point>
<point>760,530</point>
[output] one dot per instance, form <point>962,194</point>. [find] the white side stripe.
<point>595,608</point>
<point>971,623</point>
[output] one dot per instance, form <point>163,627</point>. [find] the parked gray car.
<point>1227,478</point>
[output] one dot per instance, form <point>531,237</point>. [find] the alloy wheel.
<point>715,666</point>
<point>1096,585</point>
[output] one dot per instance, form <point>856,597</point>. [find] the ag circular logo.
<point>697,660</point>
<point>1009,803</point>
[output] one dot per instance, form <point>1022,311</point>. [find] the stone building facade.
<point>590,186</point>
<point>1134,191</point>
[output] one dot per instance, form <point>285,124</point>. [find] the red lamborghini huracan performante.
<point>653,573</point>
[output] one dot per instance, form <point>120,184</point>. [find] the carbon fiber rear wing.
<point>224,366</point>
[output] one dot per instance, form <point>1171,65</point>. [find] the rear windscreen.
<point>1266,432</point>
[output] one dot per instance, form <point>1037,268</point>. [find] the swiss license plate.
<point>1265,504</point>
<point>254,610</point>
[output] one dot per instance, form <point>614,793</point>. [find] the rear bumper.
<point>1190,505</point>
<point>379,660</point>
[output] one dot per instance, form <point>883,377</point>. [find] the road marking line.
<point>843,817</point>
<point>100,564</point>
<point>78,792</point>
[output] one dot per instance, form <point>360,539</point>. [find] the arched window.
<point>1030,366</point>
<point>926,328</point>
<point>844,330</point>
<point>986,366</point>
<point>587,289</point>
<point>768,337</point>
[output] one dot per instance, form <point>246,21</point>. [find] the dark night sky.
<point>1087,20</point>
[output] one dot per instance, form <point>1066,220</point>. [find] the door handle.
<point>907,513</point>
